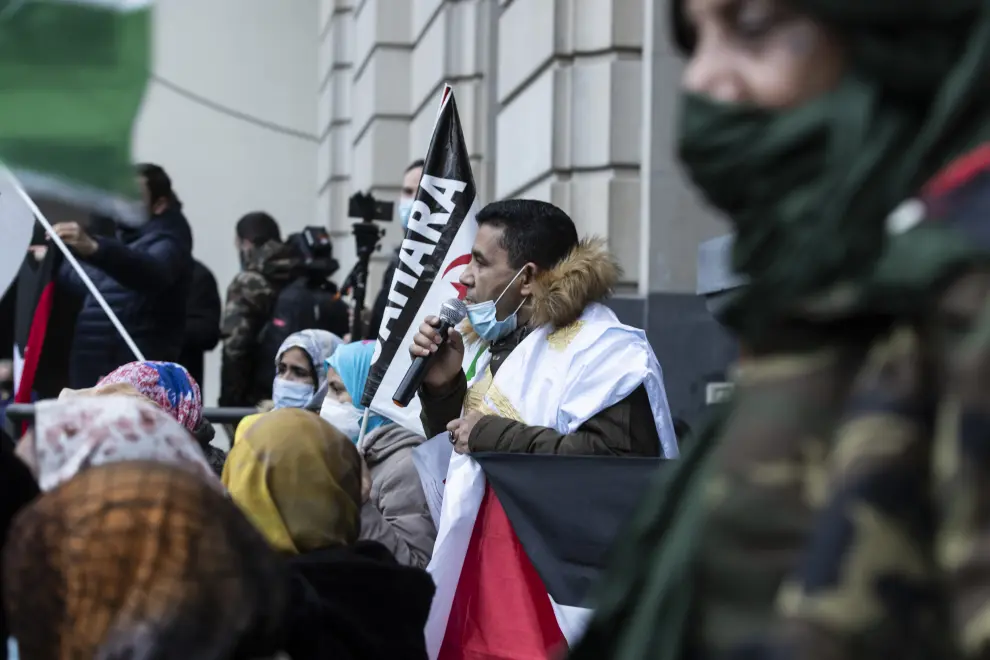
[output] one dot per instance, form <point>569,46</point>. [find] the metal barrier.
<point>21,412</point>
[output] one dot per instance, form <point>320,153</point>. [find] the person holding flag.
<point>145,279</point>
<point>534,292</point>
<point>539,367</point>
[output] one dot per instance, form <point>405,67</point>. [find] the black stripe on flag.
<point>447,158</point>
<point>568,510</point>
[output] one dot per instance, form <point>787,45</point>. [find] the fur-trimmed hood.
<point>560,294</point>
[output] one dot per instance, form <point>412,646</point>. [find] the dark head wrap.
<point>141,560</point>
<point>810,189</point>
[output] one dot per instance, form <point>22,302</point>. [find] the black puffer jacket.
<point>145,279</point>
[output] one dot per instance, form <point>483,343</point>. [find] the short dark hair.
<point>158,182</point>
<point>419,162</point>
<point>532,231</point>
<point>259,228</point>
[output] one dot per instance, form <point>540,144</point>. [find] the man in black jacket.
<point>203,310</point>
<point>145,279</point>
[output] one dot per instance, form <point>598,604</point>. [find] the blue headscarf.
<point>352,362</point>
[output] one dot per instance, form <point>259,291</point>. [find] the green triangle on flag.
<point>73,75</point>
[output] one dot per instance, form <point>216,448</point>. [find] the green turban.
<point>809,189</point>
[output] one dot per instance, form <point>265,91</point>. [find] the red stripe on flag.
<point>35,343</point>
<point>959,172</point>
<point>501,610</point>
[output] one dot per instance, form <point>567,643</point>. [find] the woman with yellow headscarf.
<point>300,481</point>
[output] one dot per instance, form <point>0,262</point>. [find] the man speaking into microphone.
<point>540,365</point>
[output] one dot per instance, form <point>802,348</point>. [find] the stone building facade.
<point>570,101</point>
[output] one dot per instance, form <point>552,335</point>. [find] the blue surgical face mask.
<point>289,394</point>
<point>483,316</point>
<point>405,210</point>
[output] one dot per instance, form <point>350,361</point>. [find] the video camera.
<point>368,209</point>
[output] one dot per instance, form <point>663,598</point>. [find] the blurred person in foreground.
<point>300,481</point>
<point>838,507</point>
<point>410,186</point>
<point>534,294</point>
<point>144,278</point>
<point>81,432</point>
<point>267,265</point>
<point>300,374</point>
<point>396,513</point>
<point>141,560</point>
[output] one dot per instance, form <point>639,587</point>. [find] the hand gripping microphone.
<point>451,313</point>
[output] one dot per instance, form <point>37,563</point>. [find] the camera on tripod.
<point>368,209</point>
<point>366,235</point>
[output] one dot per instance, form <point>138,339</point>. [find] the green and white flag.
<point>72,77</point>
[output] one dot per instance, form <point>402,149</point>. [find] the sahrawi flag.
<point>34,302</point>
<point>521,543</point>
<point>434,252</point>
<point>73,75</point>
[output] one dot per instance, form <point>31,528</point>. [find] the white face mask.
<point>342,416</point>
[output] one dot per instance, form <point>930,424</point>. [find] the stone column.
<point>383,66</point>
<point>569,113</point>
<point>692,347</point>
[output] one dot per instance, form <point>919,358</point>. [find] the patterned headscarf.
<point>352,363</point>
<point>318,345</point>
<point>168,384</point>
<point>298,479</point>
<point>78,433</point>
<point>139,560</point>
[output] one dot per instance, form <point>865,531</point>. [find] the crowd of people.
<point>832,508</point>
<point>129,533</point>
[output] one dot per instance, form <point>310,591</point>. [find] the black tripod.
<point>366,235</point>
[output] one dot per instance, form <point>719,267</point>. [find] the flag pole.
<point>75,265</point>
<point>364,425</point>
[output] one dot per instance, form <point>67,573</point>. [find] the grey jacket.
<point>396,515</point>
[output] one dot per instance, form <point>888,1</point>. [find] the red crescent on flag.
<point>462,260</point>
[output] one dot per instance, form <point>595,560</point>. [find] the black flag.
<point>44,321</point>
<point>437,246</point>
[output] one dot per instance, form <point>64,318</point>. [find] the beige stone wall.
<point>557,100</point>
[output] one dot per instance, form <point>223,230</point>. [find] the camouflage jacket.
<point>899,559</point>
<point>842,506</point>
<point>250,299</point>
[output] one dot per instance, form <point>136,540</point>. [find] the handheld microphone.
<point>451,313</point>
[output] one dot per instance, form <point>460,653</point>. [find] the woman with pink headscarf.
<point>72,435</point>
<point>170,386</point>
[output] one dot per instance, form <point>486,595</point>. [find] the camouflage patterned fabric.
<point>838,510</point>
<point>890,568</point>
<point>845,507</point>
<point>250,298</point>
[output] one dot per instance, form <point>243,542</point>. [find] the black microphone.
<point>451,313</point>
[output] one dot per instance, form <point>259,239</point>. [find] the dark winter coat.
<point>145,280</point>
